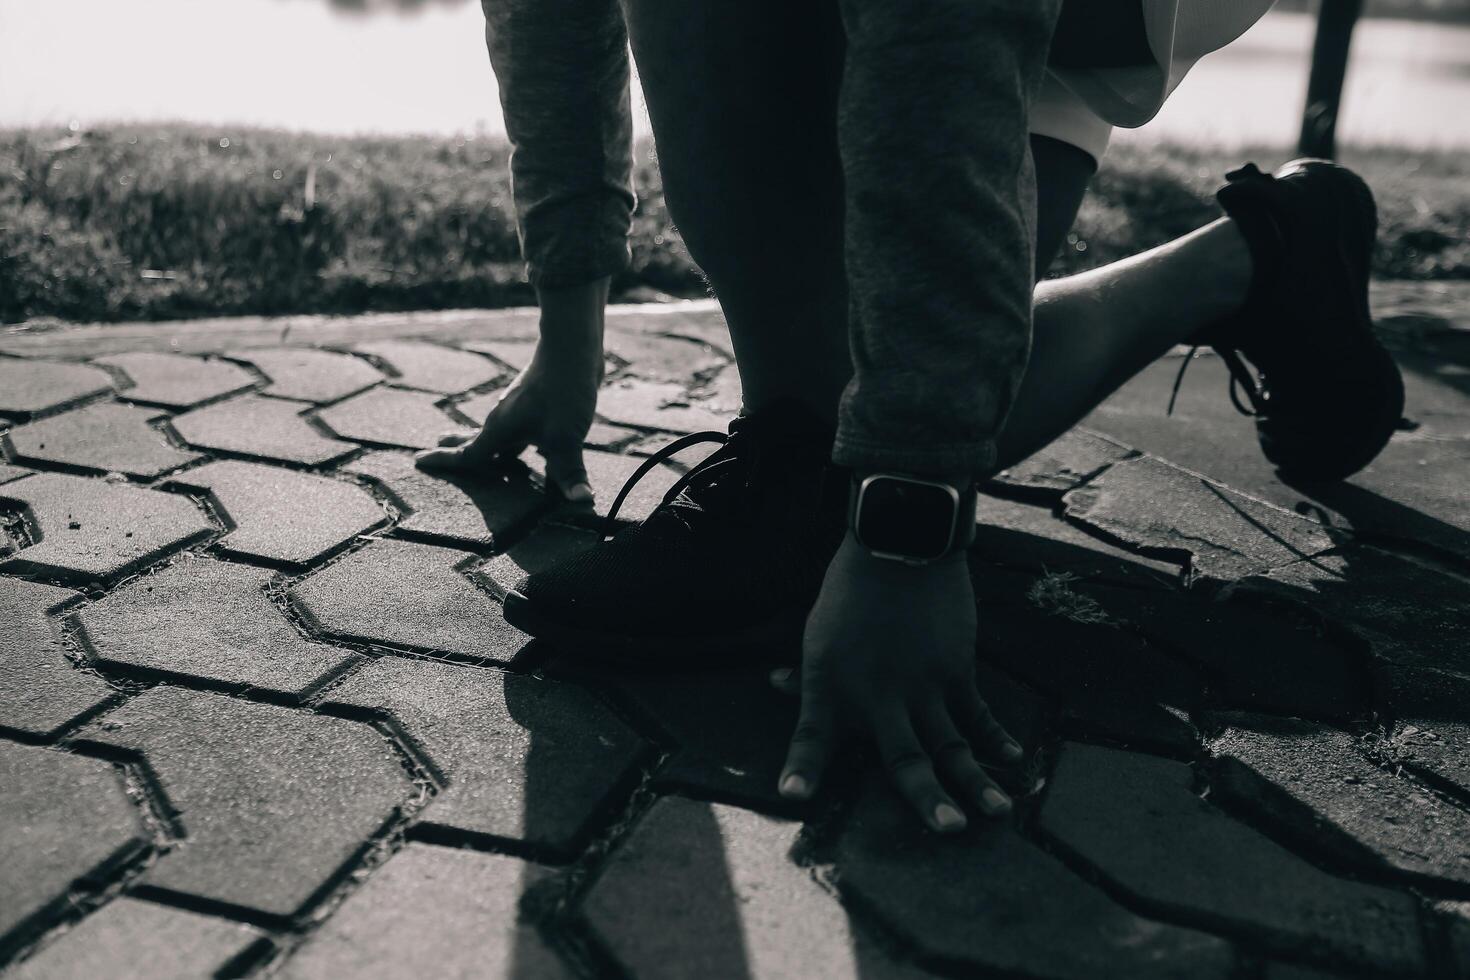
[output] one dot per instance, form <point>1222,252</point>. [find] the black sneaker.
<point>727,567</point>
<point>1326,393</point>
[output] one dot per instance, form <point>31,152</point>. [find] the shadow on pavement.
<point>1075,643</point>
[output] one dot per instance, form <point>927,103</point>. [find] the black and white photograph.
<point>852,489</point>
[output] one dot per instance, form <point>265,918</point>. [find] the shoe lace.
<point>708,472</point>
<point>1241,379</point>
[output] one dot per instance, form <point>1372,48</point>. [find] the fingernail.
<point>781,675</point>
<point>994,800</point>
<point>796,785</point>
<point>1011,751</point>
<point>947,817</point>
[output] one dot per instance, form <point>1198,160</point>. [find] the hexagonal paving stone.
<point>430,367</point>
<point>265,428</point>
<point>284,516</point>
<point>131,938</point>
<point>726,730</point>
<point>610,438</point>
<point>705,324</point>
<point>66,818</point>
<point>1136,820</point>
<point>657,358</point>
<point>477,407</point>
<point>176,381</point>
<point>1314,781</point>
<point>28,387</point>
<point>106,438</point>
<point>656,405</point>
<point>311,375</point>
<point>431,911</point>
<point>8,472</point>
<point>1439,750</point>
<point>410,595</point>
<point>1416,620</point>
<point>40,689</point>
<point>1153,506</point>
<point>542,548</point>
<point>1038,631</point>
<point>704,890</point>
<point>1257,657</point>
<point>92,529</point>
<point>1012,534</point>
<point>515,354</point>
<point>201,619</point>
<point>721,391</point>
<point>988,900</point>
<point>523,758</point>
<point>274,803</point>
<point>391,417</point>
<point>1134,724</point>
<point>731,730</point>
<point>600,436</point>
<point>445,506</point>
<point>1070,460</point>
<point>1412,490</point>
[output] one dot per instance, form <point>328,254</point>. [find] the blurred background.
<point>419,66</point>
<point>286,141</point>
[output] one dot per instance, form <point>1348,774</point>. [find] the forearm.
<point>571,325</point>
<point>939,225</point>
<point>562,69</point>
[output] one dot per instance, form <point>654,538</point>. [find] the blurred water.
<point>306,64</point>
<point>1408,84</point>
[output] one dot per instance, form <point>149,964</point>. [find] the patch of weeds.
<point>1053,594</point>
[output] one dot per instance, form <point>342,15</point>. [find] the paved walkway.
<point>259,712</point>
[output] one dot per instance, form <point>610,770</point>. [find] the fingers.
<point>989,738</point>
<point>786,680</point>
<point>912,772</point>
<point>811,747</point>
<point>566,471</point>
<point>470,452</point>
<point>447,459</point>
<point>956,764</point>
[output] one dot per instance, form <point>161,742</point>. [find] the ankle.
<point>1246,203</point>
<point>1239,273</point>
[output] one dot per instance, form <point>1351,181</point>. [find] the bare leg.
<point>1094,331</point>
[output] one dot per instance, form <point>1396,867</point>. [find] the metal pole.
<point>1335,24</point>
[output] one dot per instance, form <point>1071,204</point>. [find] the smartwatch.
<point>909,519</point>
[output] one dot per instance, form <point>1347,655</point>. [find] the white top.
<point>1080,106</point>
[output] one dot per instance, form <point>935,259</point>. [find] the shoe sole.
<point>776,641</point>
<point>1355,253</point>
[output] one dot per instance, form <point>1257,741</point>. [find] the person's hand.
<point>548,406</point>
<point>889,654</point>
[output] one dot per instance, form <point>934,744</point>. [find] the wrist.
<point>960,481</point>
<point>854,547</point>
<point>571,322</point>
<point>908,519</point>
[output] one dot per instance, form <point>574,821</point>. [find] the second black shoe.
<point>1326,394</point>
<point>727,567</point>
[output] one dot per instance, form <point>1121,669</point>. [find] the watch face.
<point>898,517</point>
